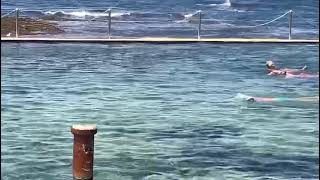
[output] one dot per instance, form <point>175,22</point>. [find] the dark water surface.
<point>169,18</point>
<point>162,111</point>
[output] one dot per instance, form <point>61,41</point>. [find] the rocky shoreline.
<point>28,26</point>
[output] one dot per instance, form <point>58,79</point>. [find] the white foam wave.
<point>224,6</point>
<point>188,16</point>
<point>120,14</point>
<point>50,12</point>
<point>214,5</point>
<point>86,13</point>
<point>227,3</point>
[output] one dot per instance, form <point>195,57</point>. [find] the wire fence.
<point>262,24</point>
<point>196,18</point>
<point>7,14</point>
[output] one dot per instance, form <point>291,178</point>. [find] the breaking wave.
<point>82,14</point>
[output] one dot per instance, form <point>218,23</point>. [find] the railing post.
<point>109,23</point>
<point>290,23</point>
<point>199,26</point>
<point>83,148</point>
<point>17,22</point>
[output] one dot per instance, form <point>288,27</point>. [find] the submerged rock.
<point>28,26</point>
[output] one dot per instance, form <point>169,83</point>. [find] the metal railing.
<point>290,23</point>
<point>109,23</point>
<point>199,13</point>
<point>17,23</point>
<point>199,22</point>
<point>199,26</point>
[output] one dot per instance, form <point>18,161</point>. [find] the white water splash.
<point>187,18</point>
<point>241,96</point>
<point>227,3</point>
<point>86,13</point>
<point>190,15</point>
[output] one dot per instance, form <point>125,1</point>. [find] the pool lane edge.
<point>158,40</point>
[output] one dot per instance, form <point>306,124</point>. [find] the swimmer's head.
<point>270,65</point>
<point>251,99</point>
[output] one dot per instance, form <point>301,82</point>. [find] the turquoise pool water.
<point>162,111</point>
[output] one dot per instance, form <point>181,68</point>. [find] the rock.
<point>28,26</point>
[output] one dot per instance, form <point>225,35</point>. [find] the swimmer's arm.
<point>295,70</point>
<point>304,67</point>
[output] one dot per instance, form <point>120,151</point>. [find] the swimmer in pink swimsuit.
<point>302,75</point>
<point>289,73</point>
<point>274,71</point>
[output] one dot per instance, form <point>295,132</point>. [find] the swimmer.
<point>260,99</point>
<point>281,99</point>
<point>273,70</point>
<point>302,75</point>
<point>255,99</point>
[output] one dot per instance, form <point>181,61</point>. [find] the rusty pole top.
<point>83,149</point>
<point>84,129</point>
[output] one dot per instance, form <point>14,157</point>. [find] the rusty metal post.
<point>17,23</point>
<point>83,150</point>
